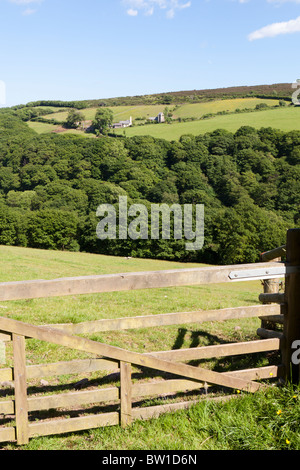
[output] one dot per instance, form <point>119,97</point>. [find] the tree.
<point>168,114</point>
<point>167,99</point>
<point>60,195</point>
<point>103,119</point>
<point>245,231</point>
<point>12,227</point>
<point>53,229</point>
<point>8,179</point>
<point>74,119</point>
<point>32,175</point>
<point>21,199</point>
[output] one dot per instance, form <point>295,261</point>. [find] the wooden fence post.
<point>271,286</point>
<point>292,297</point>
<point>126,394</point>
<point>2,352</point>
<point>21,404</point>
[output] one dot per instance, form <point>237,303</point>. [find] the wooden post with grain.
<point>21,405</point>
<point>271,286</point>
<point>125,394</point>
<point>292,297</point>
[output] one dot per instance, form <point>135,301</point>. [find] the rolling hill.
<point>277,90</point>
<point>188,118</point>
<point>191,112</point>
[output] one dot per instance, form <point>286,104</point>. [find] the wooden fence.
<point>19,412</point>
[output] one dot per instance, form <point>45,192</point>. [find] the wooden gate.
<point>17,411</point>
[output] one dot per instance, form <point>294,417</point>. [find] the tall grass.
<point>267,420</point>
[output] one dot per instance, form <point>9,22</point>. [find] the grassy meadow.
<point>46,128</point>
<point>184,111</point>
<point>42,127</point>
<point>120,112</point>
<point>244,422</point>
<point>25,264</point>
<point>200,109</point>
<point>286,118</point>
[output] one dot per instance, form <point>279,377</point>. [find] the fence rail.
<point>135,281</point>
<point>176,374</point>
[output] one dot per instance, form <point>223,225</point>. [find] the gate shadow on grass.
<point>223,364</point>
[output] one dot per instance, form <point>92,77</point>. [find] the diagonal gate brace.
<point>59,337</point>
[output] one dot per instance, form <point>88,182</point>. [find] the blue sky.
<point>73,50</point>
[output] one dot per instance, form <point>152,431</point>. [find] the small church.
<point>159,118</point>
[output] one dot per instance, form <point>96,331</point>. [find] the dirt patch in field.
<point>59,130</point>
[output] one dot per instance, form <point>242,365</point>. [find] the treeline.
<point>57,104</point>
<point>51,186</point>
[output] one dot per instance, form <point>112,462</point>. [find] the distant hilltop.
<point>282,89</point>
<point>277,90</point>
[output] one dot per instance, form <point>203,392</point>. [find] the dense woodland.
<point>51,186</point>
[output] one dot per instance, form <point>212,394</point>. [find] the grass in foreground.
<point>267,420</point>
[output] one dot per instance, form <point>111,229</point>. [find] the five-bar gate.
<point>275,307</point>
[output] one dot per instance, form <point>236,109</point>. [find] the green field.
<point>24,264</point>
<point>184,111</point>
<point>46,128</point>
<point>120,112</point>
<point>230,105</point>
<point>19,264</point>
<point>285,119</point>
<point>42,127</point>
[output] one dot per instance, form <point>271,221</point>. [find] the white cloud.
<point>27,3</point>
<point>275,29</point>
<point>147,7</point>
<point>132,12</point>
